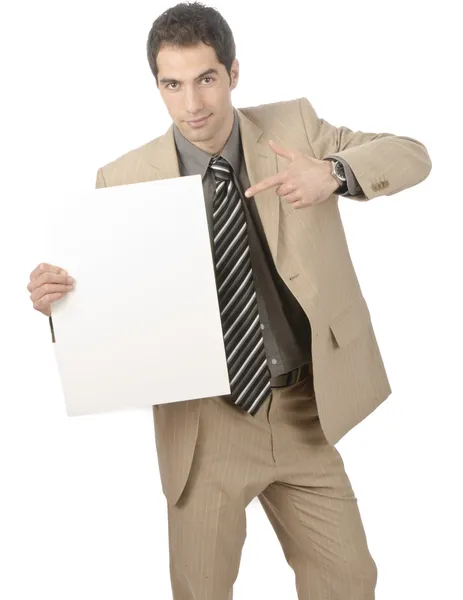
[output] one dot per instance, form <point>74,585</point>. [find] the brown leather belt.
<point>292,377</point>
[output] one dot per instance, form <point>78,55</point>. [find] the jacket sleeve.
<point>382,163</point>
<point>100,182</point>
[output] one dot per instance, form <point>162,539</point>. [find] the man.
<point>302,356</point>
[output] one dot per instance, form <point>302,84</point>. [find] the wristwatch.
<point>337,171</point>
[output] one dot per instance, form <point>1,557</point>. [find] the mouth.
<point>198,122</point>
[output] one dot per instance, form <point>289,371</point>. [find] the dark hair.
<point>188,24</point>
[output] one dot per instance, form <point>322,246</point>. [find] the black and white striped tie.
<point>244,345</point>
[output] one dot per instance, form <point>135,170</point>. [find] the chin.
<point>197,136</point>
<point>200,139</point>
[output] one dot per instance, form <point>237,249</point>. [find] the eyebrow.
<point>207,72</point>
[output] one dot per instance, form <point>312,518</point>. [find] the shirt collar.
<point>196,161</point>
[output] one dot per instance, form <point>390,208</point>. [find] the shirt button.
<point>274,361</point>
<point>262,326</point>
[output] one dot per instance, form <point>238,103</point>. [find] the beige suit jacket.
<point>311,255</point>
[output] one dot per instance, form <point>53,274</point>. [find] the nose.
<point>193,102</point>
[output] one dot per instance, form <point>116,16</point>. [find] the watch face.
<point>339,170</point>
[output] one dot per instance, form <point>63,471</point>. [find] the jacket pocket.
<point>350,323</point>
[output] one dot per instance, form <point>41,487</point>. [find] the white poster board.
<point>142,324</point>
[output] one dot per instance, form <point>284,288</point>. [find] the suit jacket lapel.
<point>261,162</point>
<point>162,155</point>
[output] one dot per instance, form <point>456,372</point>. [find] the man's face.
<point>194,85</point>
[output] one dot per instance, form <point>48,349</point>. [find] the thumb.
<point>289,154</point>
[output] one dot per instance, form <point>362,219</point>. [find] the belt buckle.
<point>294,376</point>
<point>291,378</point>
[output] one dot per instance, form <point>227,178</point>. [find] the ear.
<point>234,74</point>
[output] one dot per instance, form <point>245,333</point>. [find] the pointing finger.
<point>265,184</point>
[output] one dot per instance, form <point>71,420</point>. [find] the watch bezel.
<point>341,179</point>
<point>339,170</point>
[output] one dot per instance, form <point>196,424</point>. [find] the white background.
<point>82,513</point>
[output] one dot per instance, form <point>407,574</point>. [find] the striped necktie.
<point>244,345</point>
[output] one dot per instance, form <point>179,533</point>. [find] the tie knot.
<point>220,168</point>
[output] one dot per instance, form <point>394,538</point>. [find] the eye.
<point>210,78</point>
<point>173,83</point>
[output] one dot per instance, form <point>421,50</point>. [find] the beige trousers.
<point>281,456</point>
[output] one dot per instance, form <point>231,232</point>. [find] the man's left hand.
<point>305,182</point>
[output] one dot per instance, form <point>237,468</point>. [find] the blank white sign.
<point>142,324</point>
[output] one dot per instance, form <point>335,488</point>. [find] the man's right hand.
<point>47,284</point>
